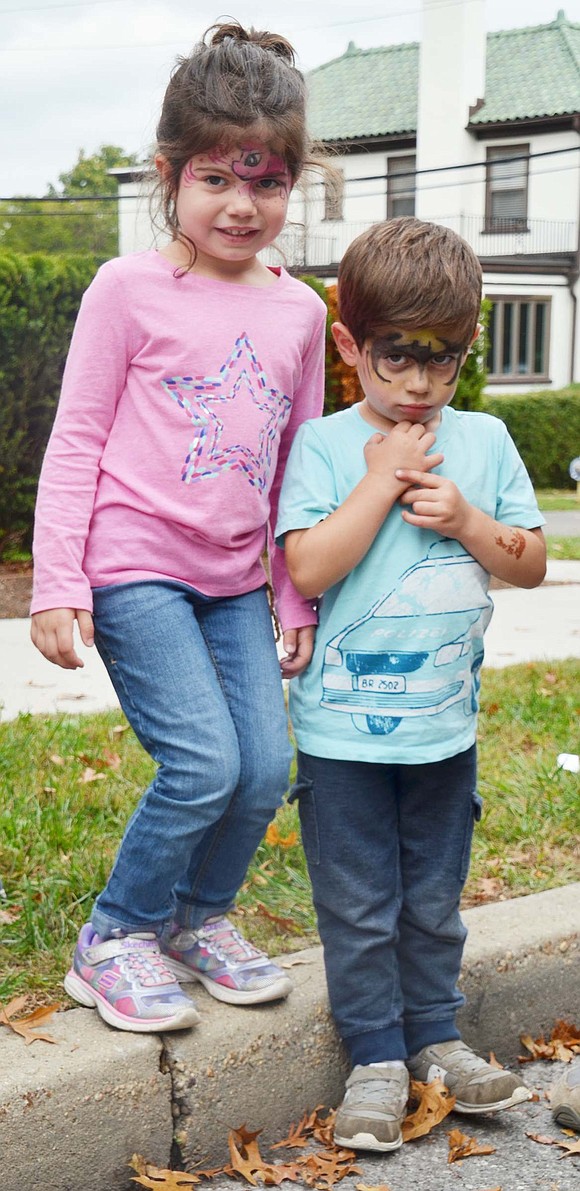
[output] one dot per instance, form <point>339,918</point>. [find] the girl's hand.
<point>299,645</point>
<point>436,503</point>
<point>52,633</point>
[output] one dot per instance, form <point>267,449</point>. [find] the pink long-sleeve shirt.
<point>181,396</point>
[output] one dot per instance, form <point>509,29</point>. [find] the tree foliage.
<point>39,301</point>
<point>50,225</point>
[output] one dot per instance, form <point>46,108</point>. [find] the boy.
<point>397,511</point>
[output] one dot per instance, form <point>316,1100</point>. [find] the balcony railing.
<point>322,246</point>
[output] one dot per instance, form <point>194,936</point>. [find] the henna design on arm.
<point>515,546</point>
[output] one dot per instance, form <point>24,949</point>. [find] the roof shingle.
<point>531,72</point>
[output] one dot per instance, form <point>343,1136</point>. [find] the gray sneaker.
<point>565,1098</point>
<point>476,1085</point>
<point>373,1109</point>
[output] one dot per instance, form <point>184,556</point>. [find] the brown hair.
<point>234,79</point>
<point>410,274</point>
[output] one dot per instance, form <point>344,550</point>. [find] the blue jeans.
<point>199,681</point>
<point>388,850</point>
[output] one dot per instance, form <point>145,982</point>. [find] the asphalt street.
<point>518,1164</point>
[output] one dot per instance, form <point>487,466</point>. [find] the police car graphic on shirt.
<point>417,651</point>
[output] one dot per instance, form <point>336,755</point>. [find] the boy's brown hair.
<point>410,274</point>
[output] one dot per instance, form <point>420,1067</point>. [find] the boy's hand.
<point>299,644</point>
<point>436,503</point>
<point>52,633</point>
<point>404,448</point>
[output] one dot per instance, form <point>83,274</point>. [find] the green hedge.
<point>39,300</point>
<point>545,427</point>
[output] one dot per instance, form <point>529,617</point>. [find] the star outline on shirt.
<point>206,457</point>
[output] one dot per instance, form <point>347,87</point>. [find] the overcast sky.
<point>81,73</point>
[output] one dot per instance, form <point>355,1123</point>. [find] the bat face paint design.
<point>393,351</point>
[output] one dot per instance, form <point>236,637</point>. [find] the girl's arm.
<point>93,379</point>
<point>297,614</point>
<point>52,633</point>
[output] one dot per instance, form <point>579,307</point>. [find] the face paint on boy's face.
<point>423,349</point>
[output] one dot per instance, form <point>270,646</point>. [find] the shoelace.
<point>227,942</point>
<point>465,1062</point>
<point>147,967</point>
<point>373,1090</point>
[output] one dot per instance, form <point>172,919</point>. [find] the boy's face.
<point>406,375</point>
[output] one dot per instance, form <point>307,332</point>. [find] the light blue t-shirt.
<point>395,672</point>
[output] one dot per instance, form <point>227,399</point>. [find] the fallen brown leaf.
<point>154,1178</point>
<point>287,924</point>
<point>327,1167</point>
<point>9,916</point>
<point>434,1103</point>
<point>461,1146</point>
<point>23,1026</point>
<point>298,1134</point>
<point>110,759</point>
<point>273,837</point>
<point>493,1062</point>
<point>562,1045</point>
<point>91,775</point>
<point>372,1187</point>
<point>571,1148</point>
<point>542,1139</point>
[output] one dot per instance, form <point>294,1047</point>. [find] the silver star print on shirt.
<point>241,379</point>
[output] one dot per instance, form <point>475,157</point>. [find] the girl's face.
<point>232,203</point>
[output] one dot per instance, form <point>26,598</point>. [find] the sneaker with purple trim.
<point>230,968</point>
<point>127,981</point>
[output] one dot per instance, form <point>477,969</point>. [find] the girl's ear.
<point>163,167</point>
<point>345,343</point>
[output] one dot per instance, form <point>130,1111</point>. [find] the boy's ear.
<point>345,343</point>
<point>476,333</point>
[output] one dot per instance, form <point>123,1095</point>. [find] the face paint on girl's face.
<point>253,164</point>
<point>231,203</point>
<point>394,351</point>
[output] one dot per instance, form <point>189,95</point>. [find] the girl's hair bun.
<point>273,42</point>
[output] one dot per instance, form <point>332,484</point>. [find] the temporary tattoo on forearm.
<point>515,546</point>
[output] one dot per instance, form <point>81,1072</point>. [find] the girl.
<point>190,370</point>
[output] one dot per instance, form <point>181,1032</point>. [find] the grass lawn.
<point>567,548</point>
<point>69,785</point>
<point>555,499</point>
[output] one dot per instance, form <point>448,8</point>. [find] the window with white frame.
<point>518,339</point>
<point>334,196</point>
<point>506,188</point>
<point>401,185</point>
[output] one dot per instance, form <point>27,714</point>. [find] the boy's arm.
<point>509,552</point>
<point>325,553</point>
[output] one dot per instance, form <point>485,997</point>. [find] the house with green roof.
<point>477,131</point>
<point>480,133</point>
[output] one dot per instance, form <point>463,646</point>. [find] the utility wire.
<point>439,169</point>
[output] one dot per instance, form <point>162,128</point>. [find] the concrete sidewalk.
<point>526,626</point>
<point>72,1114</point>
<point>76,1112</point>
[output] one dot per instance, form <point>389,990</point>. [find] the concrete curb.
<point>76,1112</point>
